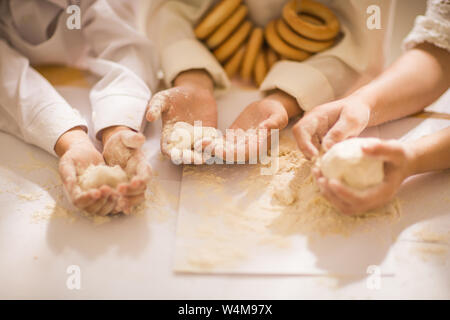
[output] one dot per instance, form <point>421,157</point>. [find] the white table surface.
<point>131,257</point>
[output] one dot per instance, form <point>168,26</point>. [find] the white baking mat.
<point>222,229</point>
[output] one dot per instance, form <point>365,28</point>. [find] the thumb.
<point>68,172</point>
<point>342,130</point>
<point>275,121</point>
<point>389,151</point>
<point>132,139</point>
<point>157,105</point>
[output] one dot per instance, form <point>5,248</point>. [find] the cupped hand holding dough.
<point>346,162</point>
<point>96,176</point>
<point>180,140</point>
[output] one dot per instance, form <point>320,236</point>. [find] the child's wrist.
<point>413,159</point>
<point>196,78</point>
<point>69,138</point>
<point>288,102</point>
<point>107,133</point>
<point>368,98</point>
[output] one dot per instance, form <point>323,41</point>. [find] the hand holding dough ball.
<point>182,139</point>
<point>347,163</point>
<point>182,136</point>
<point>96,176</point>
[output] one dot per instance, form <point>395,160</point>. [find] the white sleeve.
<point>433,27</point>
<point>30,107</point>
<point>170,24</point>
<point>127,63</point>
<point>356,59</point>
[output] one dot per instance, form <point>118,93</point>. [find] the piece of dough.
<point>216,17</point>
<point>253,48</point>
<point>281,47</point>
<point>345,161</point>
<point>282,191</point>
<point>181,136</point>
<point>96,176</point>
<point>326,31</point>
<point>227,28</point>
<point>300,42</point>
<point>232,44</point>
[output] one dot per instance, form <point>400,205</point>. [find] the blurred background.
<point>404,15</point>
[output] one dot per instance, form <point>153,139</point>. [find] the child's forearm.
<point>413,82</point>
<point>430,153</point>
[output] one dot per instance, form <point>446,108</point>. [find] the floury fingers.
<point>187,144</point>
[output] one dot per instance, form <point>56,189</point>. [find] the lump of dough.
<point>282,190</point>
<point>345,161</point>
<point>97,176</point>
<point>181,136</point>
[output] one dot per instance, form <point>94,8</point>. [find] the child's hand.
<point>77,153</point>
<point>331,123</point>
<point>122,147</point>
<point>272,112</point>
<point>191,99</point>
<point>398,162</point>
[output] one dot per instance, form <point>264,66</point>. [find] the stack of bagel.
<point>305,28</point>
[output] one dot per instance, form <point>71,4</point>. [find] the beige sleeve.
<point>355,60</point>
<point>433,27</point>
<point>170,25</point>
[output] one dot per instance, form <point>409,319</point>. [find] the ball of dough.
<point>345,161</point>
<point>209,133</point>
<point>97,176</point>
<point>182,136</point>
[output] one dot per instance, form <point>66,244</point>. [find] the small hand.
<point>191,99</point>
<point>77,153</point>
<point>397,167</point>
<point>258,119</point>
<point>123,148</point>
<point>330,123</point>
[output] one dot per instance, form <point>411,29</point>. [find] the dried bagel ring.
<point>272,57</point>
<point>300,42</point>
<point>216,17</point>
<point>253,47</point>
<point>260,70</point>
<point>281,47</point>
<point>230,46</point>
<point>227,28</point>
<point>326,31</point>
<point>232,65</point>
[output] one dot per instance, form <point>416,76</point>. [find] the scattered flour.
<point>260,210</point>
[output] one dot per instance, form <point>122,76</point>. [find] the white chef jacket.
<point>34,32</point>
<point>357,58</point>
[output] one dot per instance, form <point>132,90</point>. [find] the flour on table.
<point>259,210</point>
<point>345,161</point>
